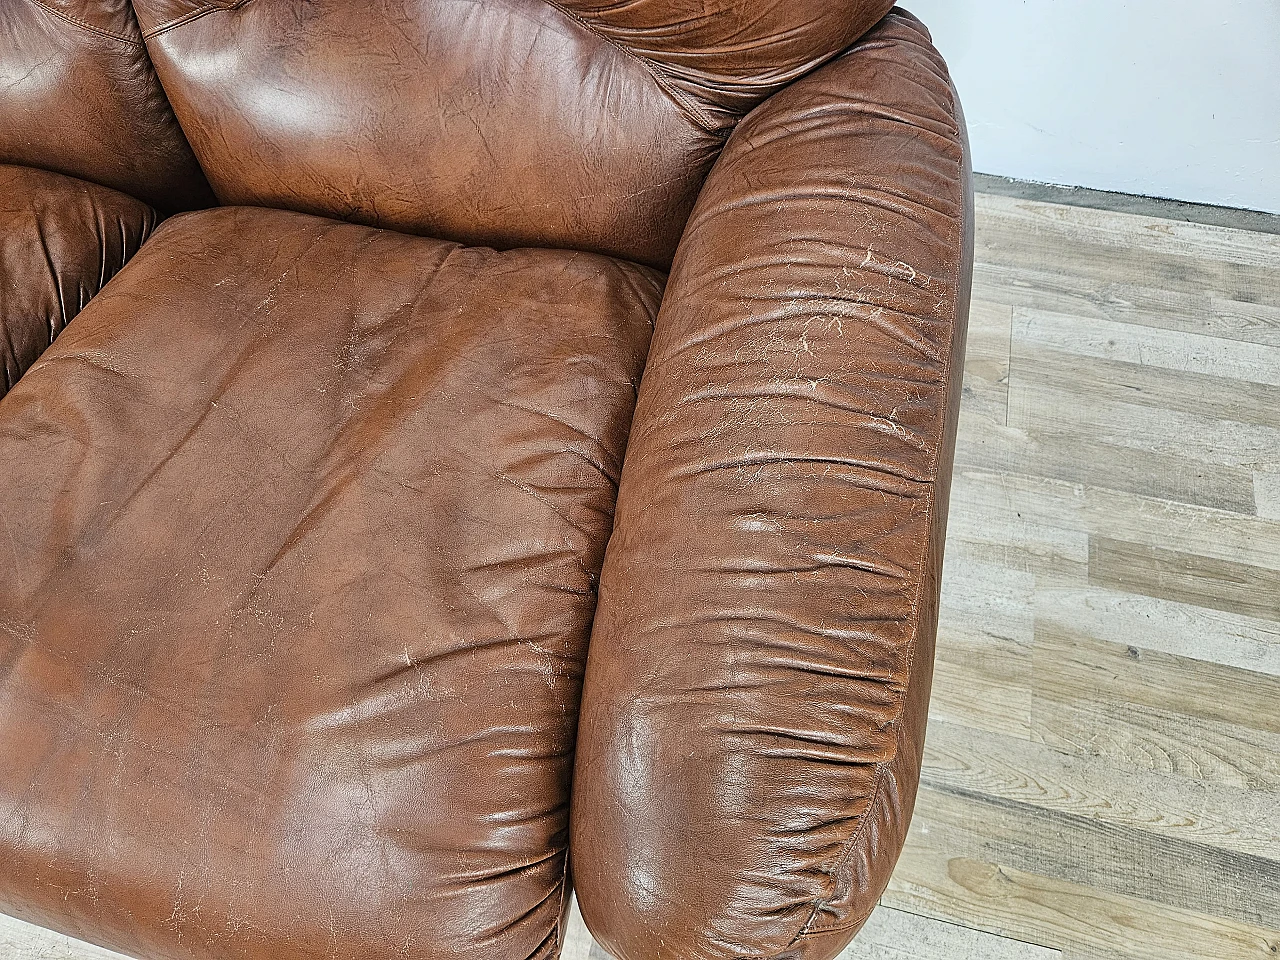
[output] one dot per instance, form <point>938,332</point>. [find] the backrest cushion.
<point>502,122</point>
<point>80,98</point>
<point>726,56</point>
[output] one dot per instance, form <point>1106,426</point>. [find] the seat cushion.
<point>299,539</point>
<point>60,240</point>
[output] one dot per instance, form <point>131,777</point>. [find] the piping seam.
<point>193,15</point>
<point>655,70</point>
<point>76,22</point>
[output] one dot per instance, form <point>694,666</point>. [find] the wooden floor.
<point>1102,772</point>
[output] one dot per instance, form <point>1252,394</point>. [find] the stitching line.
<point>76,22</point>
<point>196,14</point>
<point>655,69</point>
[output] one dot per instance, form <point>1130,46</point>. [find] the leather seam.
<point>76,22</point>
<point>655,70</point>
<point>837,928</point>
<point>186,18</point>
<point>809,928</point>
<point>564,886</point>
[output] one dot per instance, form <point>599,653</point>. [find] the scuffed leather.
<point>302,524</point>
<point>80,97</point>
<point>60,241</point>
<point>506,123</point>
<point>758,681</point>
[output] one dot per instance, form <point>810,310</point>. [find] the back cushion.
<point>78,96</point>
<point>726,56</point>
<point>498,122</point>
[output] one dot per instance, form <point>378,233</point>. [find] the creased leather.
<point>756,693</point>
<point>80,97</point>
<point>506,123</point>
<point>302,524</point>
<point>723,57</point>
<point>60,241</point>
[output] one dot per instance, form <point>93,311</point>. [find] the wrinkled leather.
<point>507,123</point>
<point>302,523</point>
<point>60,241</point>
<point>722,57</point>
<point>80,97</point>
<point>301,534</point>
<point>758,682</point>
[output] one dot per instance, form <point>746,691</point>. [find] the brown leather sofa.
<point>324,586</point>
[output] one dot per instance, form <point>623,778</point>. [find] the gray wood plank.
<point>1084,922</point>
<point>899,935</point>
<point>1121,381</point>
<point>1072,414</point>
<point>1198,633</point>
<point>1171,350</point>
<point>1130,300</point>
<point>982,762</point>
<point>1137,737</point>
<point>1077,459</point>
<point>1099,855</point>
<point>1185,577</point>
<point>1118,250</point>
<point>1266,492</point>
<point>1068,664</point>
<point>1139,517</point>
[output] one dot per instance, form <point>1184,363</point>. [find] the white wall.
<point>1169,98</point>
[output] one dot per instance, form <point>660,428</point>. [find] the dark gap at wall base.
<point>1235,218</point>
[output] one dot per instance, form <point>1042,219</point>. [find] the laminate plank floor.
<point>1102,771</point>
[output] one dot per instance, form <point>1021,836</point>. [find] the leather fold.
<point>61,240</point>
<point>755,700</point>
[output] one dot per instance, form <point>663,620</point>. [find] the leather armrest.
<point>61,240</point>
<point>758,682</point>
